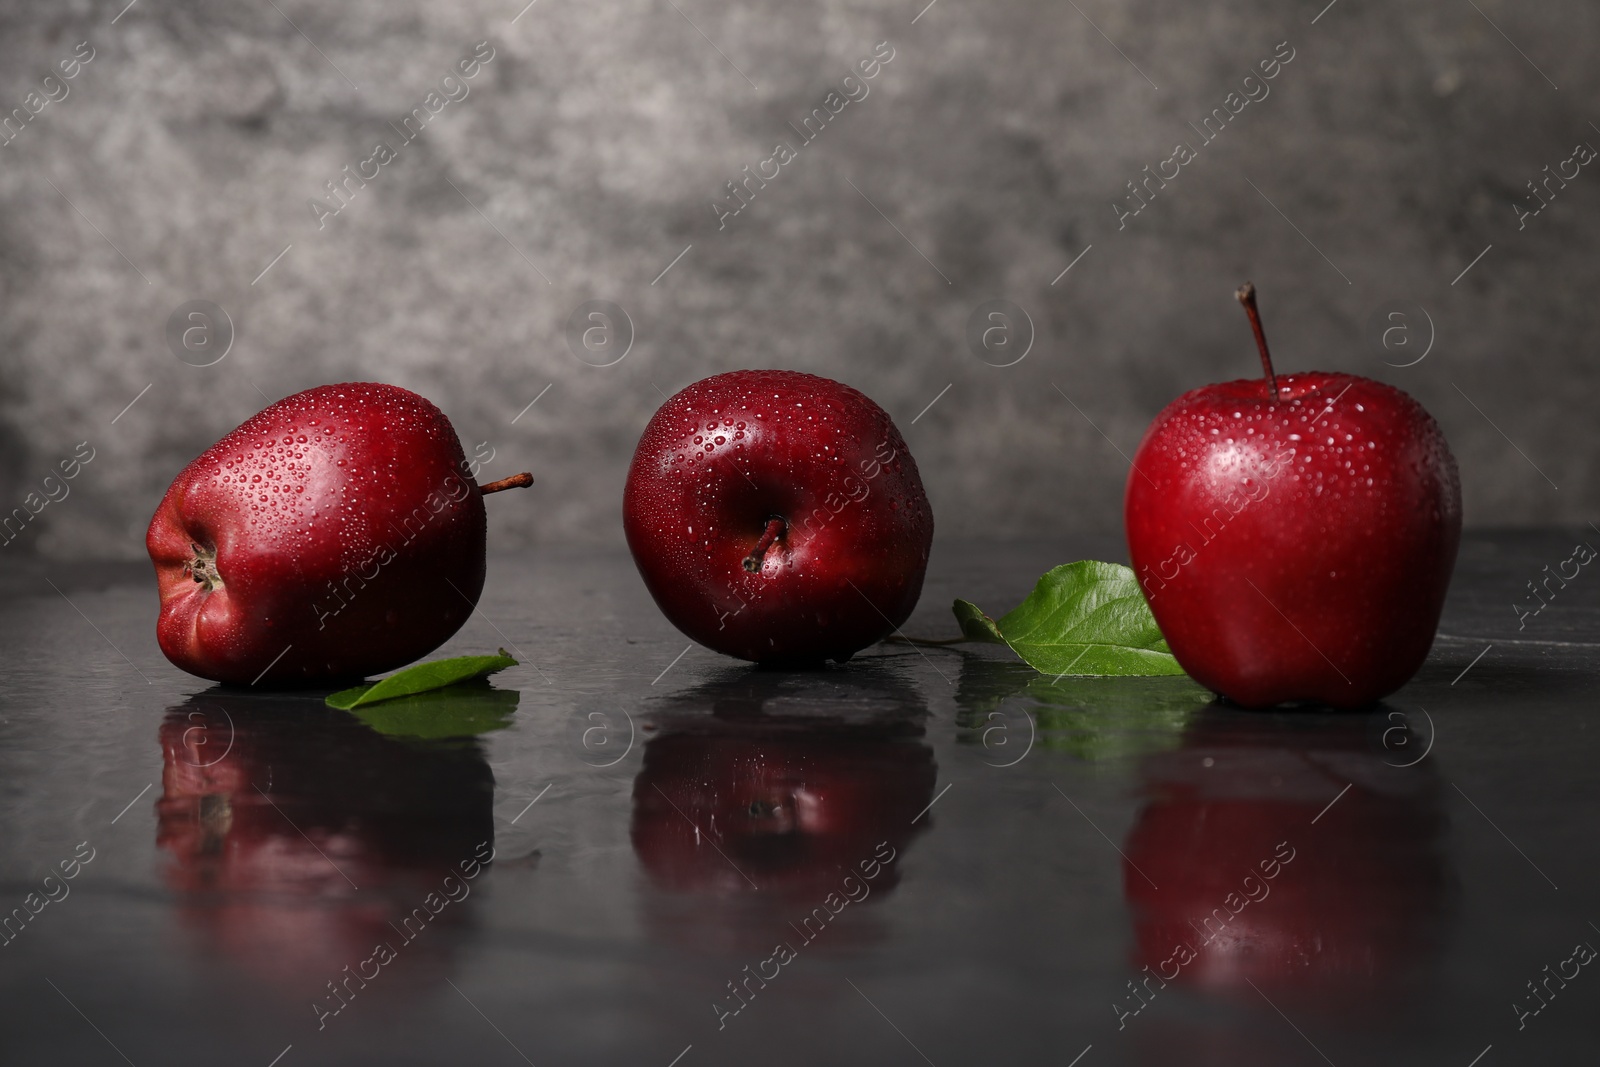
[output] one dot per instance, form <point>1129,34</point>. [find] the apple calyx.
<point>202,567</point>
<point>515,481</point>
<point>1247,296</point>
<point>774,530</point>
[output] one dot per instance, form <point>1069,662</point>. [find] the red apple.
<point>336,534</point>
<point>778,517</point>
<point>1295,535</point>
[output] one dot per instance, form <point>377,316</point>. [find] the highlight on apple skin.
<point>778,517</point>
<point>1295,535</point>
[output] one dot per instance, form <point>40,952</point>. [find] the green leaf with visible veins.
<point>421,678</point>
<point>975,625</point>
<point>1088,619</point>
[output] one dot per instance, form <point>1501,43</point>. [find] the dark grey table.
<point>1376,888</point>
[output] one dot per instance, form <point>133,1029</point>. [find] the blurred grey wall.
<point>586,156</point>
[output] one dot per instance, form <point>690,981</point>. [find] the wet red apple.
<point>337,534</point>
<point>1295,534</point>
<point>778,517</point>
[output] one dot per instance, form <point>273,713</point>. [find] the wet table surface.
<point>924,856</point>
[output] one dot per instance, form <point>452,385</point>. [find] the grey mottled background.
<point>185,154</point>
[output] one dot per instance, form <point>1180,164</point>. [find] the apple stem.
<point>774,530</point>
<point>1247,296</point>
<point>516,481</point>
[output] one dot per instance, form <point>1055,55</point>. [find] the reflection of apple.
<point>767,810</point>
<point>749,816</point>
<point>1331,916</point>
<point>298,836</point>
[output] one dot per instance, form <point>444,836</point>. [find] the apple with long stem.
<point>778,517</point>
<point>1295,534</point>
<point>336,534</point>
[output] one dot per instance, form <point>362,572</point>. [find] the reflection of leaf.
<point>984,685</point>
<point>1113,718</point>
<point>461,710</point>
<point>1088,618</point>
<point>1091,718</point>
<point>421,678</point>
<point>975,625</point>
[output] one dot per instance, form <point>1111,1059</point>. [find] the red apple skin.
<point>344,528</point>
<point>1316,576</point>
<point>729,453</point>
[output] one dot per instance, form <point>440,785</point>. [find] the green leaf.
<point>461,710</point>
<point>975,625</point>
<point>421,678</point>
<point>1088,619</point>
